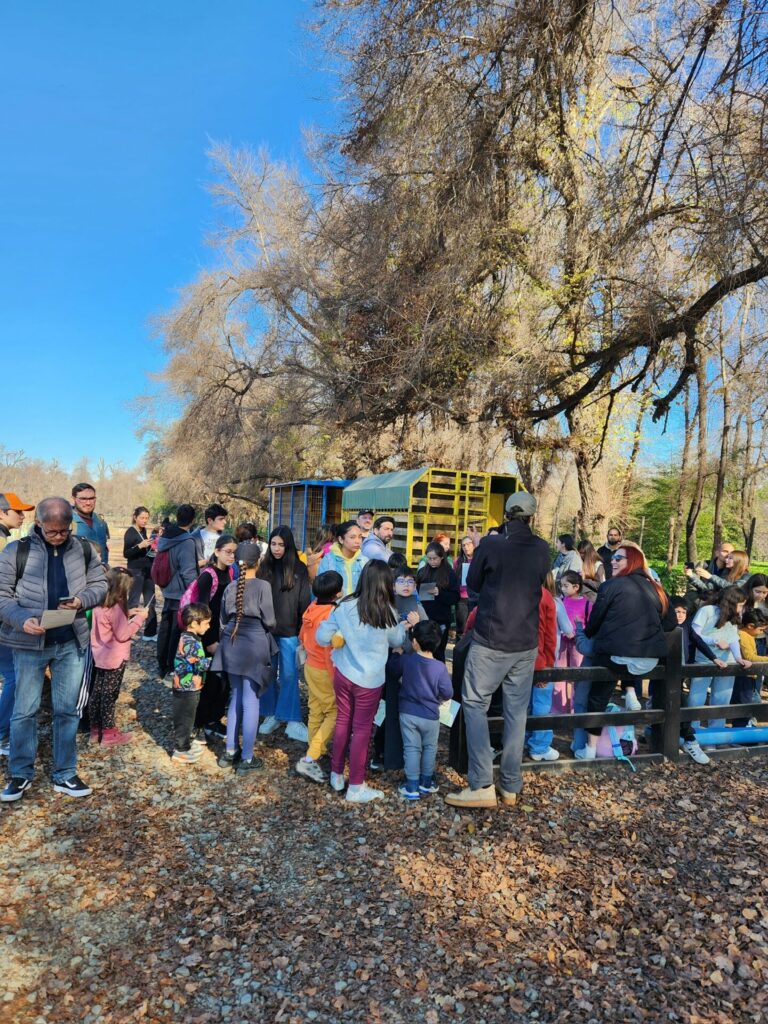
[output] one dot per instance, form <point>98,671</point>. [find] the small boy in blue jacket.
<point>426,684</point>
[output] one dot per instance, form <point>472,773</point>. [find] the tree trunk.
<point>583,427</point>
<point>723,461</point>
<point>676,521</point>
<point>631,465</point>
<point>701,460</point>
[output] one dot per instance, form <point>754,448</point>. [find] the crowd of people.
<point>242,620</point>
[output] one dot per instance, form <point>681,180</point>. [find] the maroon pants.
<point>355,710</point>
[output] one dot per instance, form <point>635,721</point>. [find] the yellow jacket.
<point>749,647</point>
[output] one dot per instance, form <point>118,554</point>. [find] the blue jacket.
<point>426,684</point>
<point>373,547</point>
<point>366,649</point>
<point>97,532</point>
<point>348,568</point>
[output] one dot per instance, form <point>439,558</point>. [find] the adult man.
<point>215,520</point>
<point>12,510</point>
<point>181,546</point>
<point>85,520</point>
<point>50,570</point>
<point>365,521</point>
<point>701,577</point>
<point>605,551</point>
<point>507,571</point>
<point>376,544</point>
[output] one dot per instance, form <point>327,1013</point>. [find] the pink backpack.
<point>192,594</point>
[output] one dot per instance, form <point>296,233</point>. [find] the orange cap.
<point>10,501</point>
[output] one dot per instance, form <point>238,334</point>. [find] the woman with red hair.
<point>627,624</point>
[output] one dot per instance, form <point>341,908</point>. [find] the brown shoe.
<point>485,797</point>
<point>508,799</point>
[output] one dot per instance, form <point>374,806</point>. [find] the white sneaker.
<point>150,639</point>
<point>694,751</point>
<point>337,782</point>
<point>586,753</point>
<point>5,748</point>
<point>363,794</point>
<point>297,731</point>
<point>631,703</point>
<point>268,725</point>
<point>550,754</point>
<point>310,770</point>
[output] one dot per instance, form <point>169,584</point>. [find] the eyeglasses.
<point>55,533</point>
<point>79,497</point>
<point>405,581</point>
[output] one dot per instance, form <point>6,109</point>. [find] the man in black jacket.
<point>605,551</point>
<point>507,571</point>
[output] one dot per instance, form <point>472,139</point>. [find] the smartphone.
<point>65,600</point>
<point>689,565</point>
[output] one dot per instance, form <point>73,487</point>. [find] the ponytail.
<point>239,599</point>
<point>248,555</point>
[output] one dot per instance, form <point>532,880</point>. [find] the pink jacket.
<point>111,634</point>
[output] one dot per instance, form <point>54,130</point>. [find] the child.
<point>189,668</point>
<point>716,623</point>
<point>577,608</point>
<point>540,742</point>
<point>328,588</point>
<point>747,689</point>
<point>439,589</point>
<point>245,653</point>
<point>367,622</point>
<point>113,627</point>
<point>425,685</point>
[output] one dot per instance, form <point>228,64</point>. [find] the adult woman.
<point>439,591</point>
<point>568,558</point>
<point>717,624</point>
<point>345,556</point>
<point>627,623</point>
<point>291,595</point>
<point>213,697</point>
<point>467,598</point>
<point>324,537</point>
<point>136,551</point>
<point>593,568</point>
<point>736,573</point>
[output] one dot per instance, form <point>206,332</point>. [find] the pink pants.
<point>355,710</point>
<point>562,696</point>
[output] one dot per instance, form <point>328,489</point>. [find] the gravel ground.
<point>186,894</point>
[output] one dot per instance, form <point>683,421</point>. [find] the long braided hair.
<point>248,556</point>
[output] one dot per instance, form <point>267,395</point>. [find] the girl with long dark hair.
<point>211,584</point>
<point>439,591</point>
<point>717,624</point>
<point>291,595</point>
<point>137,551</point>
<point>361,630</point>
<point>245,653</point>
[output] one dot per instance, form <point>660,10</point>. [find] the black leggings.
<point>600,693</point>
<point>106,690</point>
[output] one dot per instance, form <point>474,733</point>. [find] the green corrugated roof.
<point>387,491</point>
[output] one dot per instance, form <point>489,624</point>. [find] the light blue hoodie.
<point>366,649</point>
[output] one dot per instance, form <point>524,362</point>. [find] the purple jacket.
<point>426,684</point>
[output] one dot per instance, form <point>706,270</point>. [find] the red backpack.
<point>161,571</point>
<point>192,594</point>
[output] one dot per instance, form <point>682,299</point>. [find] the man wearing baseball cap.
<point>12,510</point>
<point>365,521</point>
<point>507,571</point>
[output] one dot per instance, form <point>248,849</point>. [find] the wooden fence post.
<point>667,694</point>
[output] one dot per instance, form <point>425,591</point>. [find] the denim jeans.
<point>66,662</point>
<point>720,693</point>
<point>8,673</point>
<point>282,698</point>
<point>420,736</point>
<point>541,704</point>
<point>485,671</point>
<point>580,702</point>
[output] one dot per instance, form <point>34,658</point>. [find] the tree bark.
<point>701,465</point>
<point>723,460</point>
<point>676,521</point>
<point>637,437</point>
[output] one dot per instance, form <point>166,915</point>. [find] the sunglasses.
<point>618,558</point>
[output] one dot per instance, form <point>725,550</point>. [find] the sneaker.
<point>694,751</point>
<point>15,790</point>
<point>253,765</point>
<point>362,794</point>
<point>631,703</point>
<point>227,760</point>
<point>507,798</point>
<point>198,744</point>
<point>337,782</point>
<point>297,731</point>
<point>550,754</point>
<point>310,770</point>
<point>186,756</point>
<point>429,787</point>
<point>376,765</point>
<point>408,794</point>
<point>586,753</point>
<point>150,639</point>
<point>113,738</point>
<point>269,725</point>
<point>216,729</point>
<point>5,747</point>
<point>73,786</point>
<point>485,797</point>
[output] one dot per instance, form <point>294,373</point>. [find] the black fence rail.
<point>664,718</point>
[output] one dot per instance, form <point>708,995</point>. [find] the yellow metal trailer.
<point>431,500</point>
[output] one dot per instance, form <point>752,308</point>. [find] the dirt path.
<point>178,894</point>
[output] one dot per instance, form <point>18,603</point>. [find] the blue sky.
<point>106,113</point>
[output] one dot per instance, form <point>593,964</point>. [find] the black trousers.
<point>213,700</point>
<point>168,637</point>
<point>143,587</point>
<point>184,707</point>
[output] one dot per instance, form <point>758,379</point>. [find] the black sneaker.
<point>376,764</point>
<point>226,760</point>
<point>243,767</point>
<point>72,787</point>
<point>216,729</point>
<point>15,790</point>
